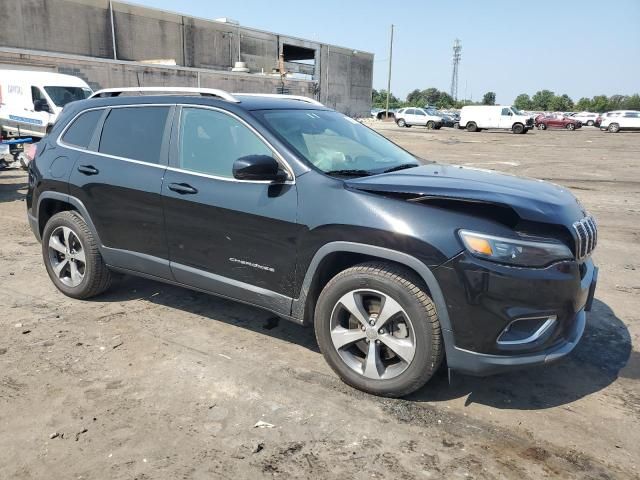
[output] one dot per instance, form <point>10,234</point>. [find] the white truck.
<point>475,118</point>
<point>30,101</point>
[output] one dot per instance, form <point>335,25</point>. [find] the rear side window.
<point>81,130</point>
<point>134,133</point>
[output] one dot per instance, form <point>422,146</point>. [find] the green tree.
<point>489,98</point>
<point>542,100</point>
<point>379,99</point>
<point>561,103</point>
<point>415,98</point>
<point>522,102</point>
<point>584,105</point>
<point>431,96</point>
<point>445,101</point>
<point>600,103</point>
<point>632,102</point>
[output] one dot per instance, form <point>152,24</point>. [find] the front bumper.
<point>484,298</point>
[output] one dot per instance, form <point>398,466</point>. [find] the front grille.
<point>529,121</point>
<point>587,237</point>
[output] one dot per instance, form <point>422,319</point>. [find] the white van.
<point>480,117</point>
<point>30,101</point>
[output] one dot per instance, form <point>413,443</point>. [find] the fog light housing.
<point>523,331</point>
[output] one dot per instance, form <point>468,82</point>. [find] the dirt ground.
<point>155,382</point>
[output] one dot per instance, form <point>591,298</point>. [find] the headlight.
<point>525,253</point>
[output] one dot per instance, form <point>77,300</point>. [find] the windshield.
<point>63,95</point>
<point>516,111</point>
<point>335,143</point>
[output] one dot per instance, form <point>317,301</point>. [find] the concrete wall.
<point>102,73</point>
<point>340,77</point>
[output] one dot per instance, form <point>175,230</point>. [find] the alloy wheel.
<point>373,334</point>
<point>67,256</point>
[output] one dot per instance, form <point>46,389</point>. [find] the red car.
<point>557,121</point>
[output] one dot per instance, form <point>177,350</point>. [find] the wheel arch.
<point>334,257</point>
<point>50,203</point>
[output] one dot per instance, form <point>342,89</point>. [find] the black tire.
<point>431,125</point>
<point>96,277</point>
<point>472,127</point>
<point>401,123</point>
<point>438,127</point>
<point>517,128</point>
<point>526,130</point>
<point>542,126</point>
<point>408,291</point>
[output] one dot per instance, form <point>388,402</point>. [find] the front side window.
<point>134,133</point>
<point>63,95</point>
<point>81,130</point>
<point>334,143</point>
<point>516,111</point>
<point>211,141</point>
<point>506,112</point>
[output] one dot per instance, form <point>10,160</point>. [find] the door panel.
<point>222,231</point>
<point>123,195</point>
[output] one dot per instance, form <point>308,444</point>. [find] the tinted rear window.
<point>81,130</point>
<point>134,133</point>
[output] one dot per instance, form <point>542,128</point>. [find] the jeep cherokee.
<point>284,204</point>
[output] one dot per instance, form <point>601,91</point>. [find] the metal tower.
<point>457,54</point>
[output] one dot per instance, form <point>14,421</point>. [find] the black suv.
<point>287,205</point>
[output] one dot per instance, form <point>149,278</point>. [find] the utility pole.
<point>389,78</point>
<point>457,49</point>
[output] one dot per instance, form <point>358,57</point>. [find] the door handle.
<point>88,170</point>
<point>182,188</point>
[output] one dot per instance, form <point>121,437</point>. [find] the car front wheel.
<point>71,256</point>
<point>571,126</point>
<point>614,128</point>
<point>378,329</point>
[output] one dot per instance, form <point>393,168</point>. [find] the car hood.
<point>533,200</point>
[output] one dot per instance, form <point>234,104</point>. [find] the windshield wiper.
<point>402,166</point>
<point>350,173</point>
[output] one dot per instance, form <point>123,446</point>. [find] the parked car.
<point>621,120</point>
<point>407,117</point>
<point>448,120</point>
<point>557,121</point>
<point>32,100</point>
<point>586,118</point>
<point>480,117</point>
<point>381,113</point>
<point>292,207</point>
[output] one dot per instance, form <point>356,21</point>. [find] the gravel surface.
<point>156,382</point>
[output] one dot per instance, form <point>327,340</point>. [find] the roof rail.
<point>300,98</point>
<point>213,92</point>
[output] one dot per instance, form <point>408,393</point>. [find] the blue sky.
<point>582,48</point>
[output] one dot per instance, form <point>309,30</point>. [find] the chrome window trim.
<point>531,338</point>
<point>283,163</point>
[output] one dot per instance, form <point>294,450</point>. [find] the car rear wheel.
<point>571,126</point>
<point>614,128</point>
<point>378,329</point>
<point>472,127</point>
<point>401,122</point>
<point>71,256</point>
<point>518,128</point>
<point>542,126</point>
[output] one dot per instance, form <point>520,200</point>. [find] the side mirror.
<point>258,167</point>
<point>41,105</point>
